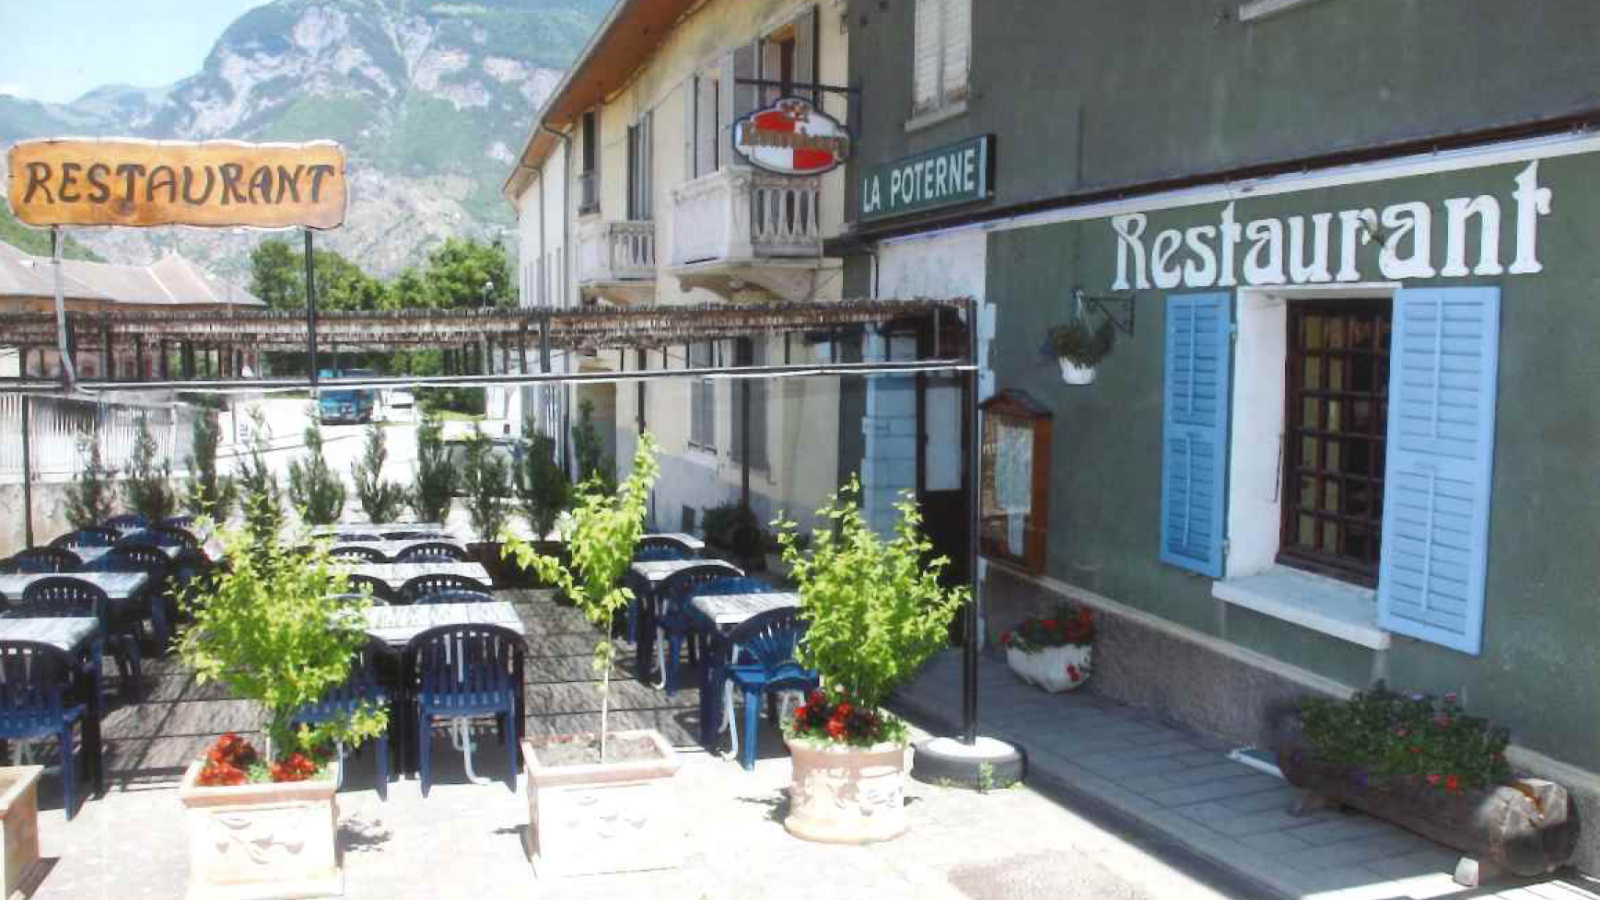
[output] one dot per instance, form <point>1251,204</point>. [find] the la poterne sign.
<point>146,183</point>
<point>946,176</point>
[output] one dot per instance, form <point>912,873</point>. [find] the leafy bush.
<point>874,608</point>
<point>381,500</point>
<point>1417,738</point>
<point>90,497</point>
<point>595,468</point>
<point>541,486</point>
<point>1067,626</point>
<point>316,492</point>
<point>210,494</point>
<point>270,628</point>
<point>147,488</point>
<point>732,526</point>
<point>483,479</point>
<point>435,486</point>
<point>600,535</point>
<point>260,497</point>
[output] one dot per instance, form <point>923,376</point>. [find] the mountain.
<point>430,100</point>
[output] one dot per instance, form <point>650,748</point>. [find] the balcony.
<point>617,261</point>
<point>739,229</point>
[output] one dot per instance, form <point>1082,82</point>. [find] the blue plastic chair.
<point>676,621</point>
<point>648,550</point>
<point>414,535</point>
<point>174,538</point>
<point>154,563</point>
<point>43,561</point>
<point>185,522</point>
<point>416,588</point>
<point>664,542</point>
<point>460,671</point>
<point>87,537</point>
<point>44,692</point>
<point>353,553</point>
<point>364,687</point>
<point>130,521</point>
<point>644,552</point>
<point>454,596</point>
<point>756,657</point>
<point>63,595</point>
<point>380,590</point>
<point>431,551</point>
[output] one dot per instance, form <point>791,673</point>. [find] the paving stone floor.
<point>1099,752</point>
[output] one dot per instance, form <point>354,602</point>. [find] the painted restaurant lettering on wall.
<point>792,137</point>
<point>145,183</point>
<point>1276,251</point>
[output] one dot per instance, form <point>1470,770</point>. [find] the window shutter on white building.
<point>691,91</point>
<point>956,39</point>
<point>925,64</point>
<point>738,99</point>
<point>805,53</point>
<point>705,129</point>
<point>1444,361</point>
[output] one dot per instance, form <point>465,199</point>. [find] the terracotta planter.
<point>262,841</point>
<point>1072,373</point>
<point>604,817</point>
<point>19,821</point>
<point>846,795</point>
<point>1055,669</point>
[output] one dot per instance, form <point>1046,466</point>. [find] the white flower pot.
<point>19,823</point>
<point>604,817</point>
<point>841,794</point>
<point>1072,373</point>
<point>262,841</point>
<point>1054,669</point>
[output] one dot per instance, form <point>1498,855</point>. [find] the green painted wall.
<point>1098,93</point>
<point>1539,672</point>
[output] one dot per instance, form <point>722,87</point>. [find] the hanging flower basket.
<point>1072,373</point>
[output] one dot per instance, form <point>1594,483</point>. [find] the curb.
<point>1182,851</point>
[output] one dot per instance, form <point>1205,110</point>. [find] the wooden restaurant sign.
<point>145,183</point>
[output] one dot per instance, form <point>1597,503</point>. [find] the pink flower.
<point>1072,672</point>
<point>1433,780</point>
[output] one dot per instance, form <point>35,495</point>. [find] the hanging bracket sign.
<point>140,184</point>
<point>792,137</point>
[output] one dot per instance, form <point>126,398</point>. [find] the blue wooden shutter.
<point>1194,431</point>
<point>1443,361</point>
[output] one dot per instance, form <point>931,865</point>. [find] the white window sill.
<point>1322,604</point>
<point>1260,9</point>
<point>934,116</point>
<point>701,456</point>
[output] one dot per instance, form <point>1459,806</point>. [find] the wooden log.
<point>1528,827</point>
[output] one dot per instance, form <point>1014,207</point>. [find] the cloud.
<point>14,90</point>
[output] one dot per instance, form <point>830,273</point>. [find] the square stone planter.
<point>19,820</point>
<point>604,817</point>
<point>262,841</point>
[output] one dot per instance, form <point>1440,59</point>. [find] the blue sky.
<point>59,49</point>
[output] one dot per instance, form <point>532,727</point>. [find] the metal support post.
<point>311,317</point>
<point>27,470</point>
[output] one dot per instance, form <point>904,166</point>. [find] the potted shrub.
<point>269,627</point>
<point>1080,348</point>
<point>435,487</point>
<point>602,801</point>
<point>1055,653</point>
<point>543,492</point>
<point>315,490</point>
<point>875,612</point>
<point>1426,766</point>
<point>147,480</point>
<point>484,484</point>
<point>381,500</point>
<point>210,494</point>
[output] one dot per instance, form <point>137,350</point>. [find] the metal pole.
<point>311,317</point>
<point>27,470</point>
<point>969,652</point>
<point>69,372</point>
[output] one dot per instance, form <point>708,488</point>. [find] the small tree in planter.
<point>381,500</point>
<point>596,470</point>
<point>147,487</point>
<point>210,495</point>
<point>1056,653</point>
<point>542,488</point>
<point>600,536</point>
<point>1080,348</point>
<point>483,479</point>
<point>270,627</point>
<point>875,612</point>
<point>435,487</point>
<point>91,496</point>
<point>260,497</point>
<point>315,491</point>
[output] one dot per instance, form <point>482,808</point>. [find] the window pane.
<point>1335,333</point>
<point>1308,531</point>
<point>1330,495</point>
<point>1333,456</point>
<point>1311,373</point>
<point>1336,374</point>
<point>1335,415</point>
<point>1313,333</point>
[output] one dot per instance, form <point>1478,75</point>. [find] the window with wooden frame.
<point>1336,420</point>
<point>943,50</point>
<point>703,399</point>
<point>641,164</point>
<point>589,173</point>
<point>1014,480</point>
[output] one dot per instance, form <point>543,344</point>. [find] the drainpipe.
<point>566,256</point>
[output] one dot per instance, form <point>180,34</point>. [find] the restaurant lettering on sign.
<point>147,183</point>
<point>947,176</point>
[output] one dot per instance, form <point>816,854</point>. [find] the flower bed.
<point>233,761</point>
<point>1055,653</point>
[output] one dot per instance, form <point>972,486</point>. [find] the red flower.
<point>1414,748</point>
<point>1049,624</point>
<point>1005,639</point>
<point>836,728</point>
<point>1452,784</point>
<point>816,699</point>
<point>1433,780</point>
<point>1072,672</point>
<point>843,710</point>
